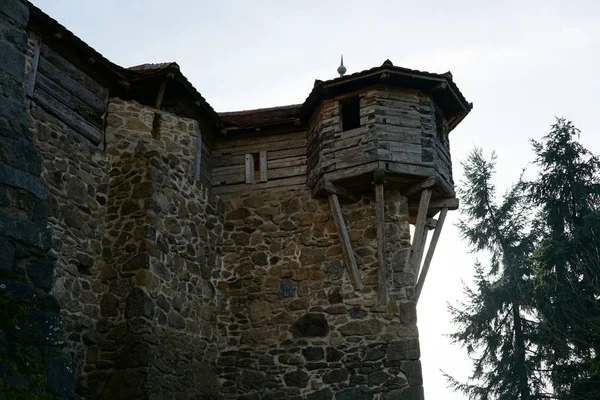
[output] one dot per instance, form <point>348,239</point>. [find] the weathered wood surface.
<point>198,158</point>
<point>416,188</point>
<point>282,155</point>
<point>68,116</point>
<point>419,230</point>
<point>382,275</point>
<point>277,173</point>
<point>31,78</point>
<point>260,145</point>
<point>263,166</point>
<point>227,160</point>
<point>430,252</point>
<point>249,168</point>
<point>238,145</point>
<point>451,204</point>
<point>396,130</point>
<point>65,81</point>
<point>296,182</point>
<point>161,93</point>
<point>73,72</point>
<point>69,94</point>
<point>418,255</point>
<point>93,116</point>
<point>340,225</point>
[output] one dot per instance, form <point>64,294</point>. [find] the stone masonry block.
<point>14,11</point>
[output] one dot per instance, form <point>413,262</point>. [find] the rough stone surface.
<point>300,308</point>
<point>31,330</point>
<point>357,393</point>
<point>168,291</point>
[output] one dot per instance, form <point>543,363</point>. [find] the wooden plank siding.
<point>397,133</point>
<point>69,95</point>
<point>284,154</point>
<point>397,129</point>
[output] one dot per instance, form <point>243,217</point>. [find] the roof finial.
<point>341,69</point>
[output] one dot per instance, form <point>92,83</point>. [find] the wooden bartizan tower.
<point>386,128</point>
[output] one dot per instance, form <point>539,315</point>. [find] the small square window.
<point>350,113</point>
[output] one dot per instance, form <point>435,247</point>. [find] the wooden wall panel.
<point>70,95</point>
<point>284,154</point>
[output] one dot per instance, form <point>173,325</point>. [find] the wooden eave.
<point>440,86</point>
<point>125,83</point>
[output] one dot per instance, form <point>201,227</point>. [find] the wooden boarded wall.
<point>66,93</point>
<point>397,129</point>
<point>441,145</point>
<point>286,161</point>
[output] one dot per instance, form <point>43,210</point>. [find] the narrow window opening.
<point>350,110</point>
<point>256,166</point>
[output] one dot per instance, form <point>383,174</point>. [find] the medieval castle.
<point>152,248</point>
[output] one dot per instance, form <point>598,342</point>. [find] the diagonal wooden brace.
<point>419,239</point>
<point>430,251</point>
<point>345,241</point>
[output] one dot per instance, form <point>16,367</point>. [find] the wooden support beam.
<point>263,166</point>
<point>416,188</point>
<point>382,277</point>
<point>160,94</point>
<point>198,160</point>
<point>439,86</point>
<point>430,251</point>
<point>249,162</point>
<point>419,229</point>
<point>430,223</point>
<point>450,203</point>
<point>329,188</point>
<point>34,67</point>
<point>345,241</point>
<point>418,256</point>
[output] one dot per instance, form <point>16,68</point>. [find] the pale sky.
<point>520,63</point>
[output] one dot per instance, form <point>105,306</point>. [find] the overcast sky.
<point>520,63</point>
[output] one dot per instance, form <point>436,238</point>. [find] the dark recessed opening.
<point>256,161</point>
<point>350,109</point>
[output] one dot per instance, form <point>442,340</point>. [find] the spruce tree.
<point>494,323</point>
<point>567,193</point>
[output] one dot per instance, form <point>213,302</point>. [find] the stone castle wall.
<point>170,292</point>
<point>31,330</point>
<point>295,326</point>
<point>137,243</point>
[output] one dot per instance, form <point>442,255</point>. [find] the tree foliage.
<point>567,289</point>
<point>532,321</point>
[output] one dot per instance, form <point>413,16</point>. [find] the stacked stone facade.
<point>245,295</point>
<point>138,244</point>
<point>31,330</point>
<point>295,326</point>
<point>169,290</point>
